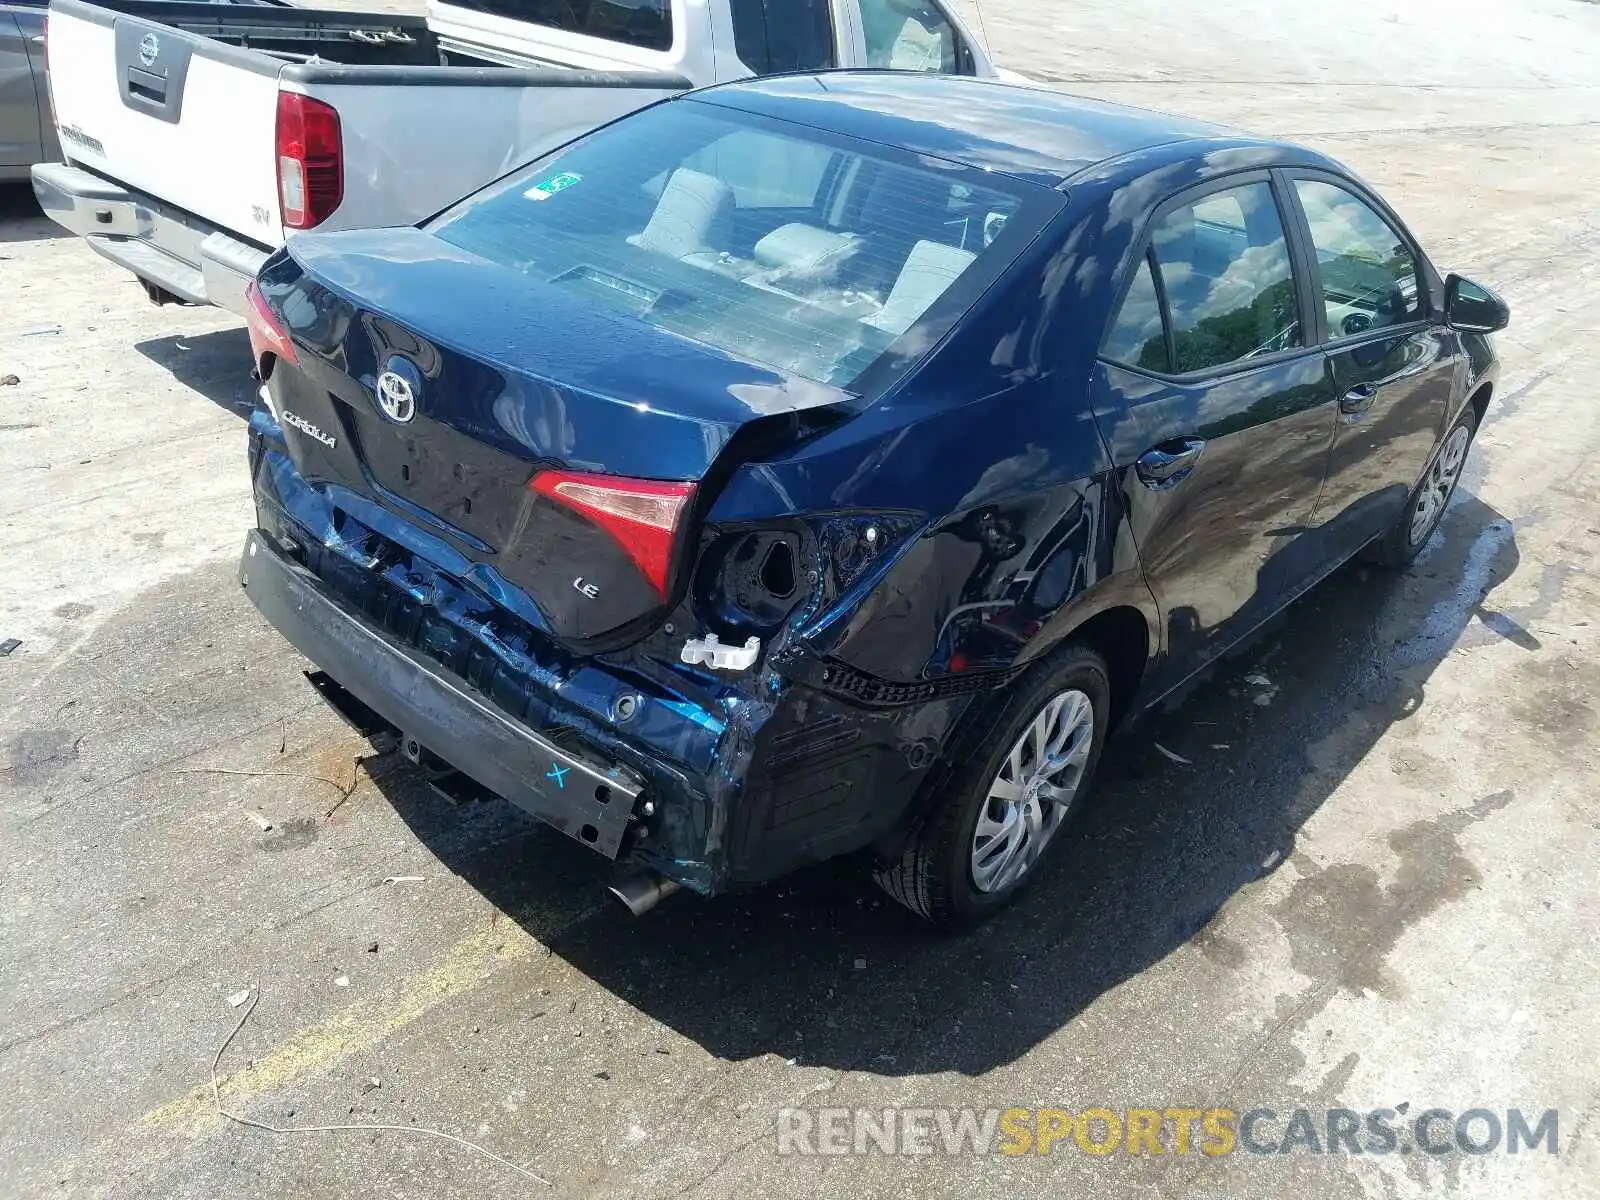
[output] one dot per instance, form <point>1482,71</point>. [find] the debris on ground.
<point>9,380</point>
<point>264,1127</point>
<point>7,646</point>
<point>342,981</point>
<point>1263,698</point>
<point>861,964</point>
<point>42,331</point>
<point>260,819</point>
<point>238,998</point>
<point>333,783</point>
<point>1168,754</point>
<point>403,879</point>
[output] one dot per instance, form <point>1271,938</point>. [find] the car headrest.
<point>804,251</point>
<point>929,271</point>
<point>692,207</point>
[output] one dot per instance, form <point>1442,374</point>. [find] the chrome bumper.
<point>173,250</point>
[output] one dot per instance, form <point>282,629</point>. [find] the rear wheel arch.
<point>1121,635</point>
<point>1480,401</point>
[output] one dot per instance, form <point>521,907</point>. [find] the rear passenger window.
<point>771,36</point>
<point>646,23</point>
<point>1369,278</point>
<point>1225,269</point>
<point>1137,339</point>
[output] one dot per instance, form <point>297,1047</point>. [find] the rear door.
<point>19,107</point>
<point>774,36</point>
<point>1393,367</point>
<point>176,115</point>
<point>1220,412</point>
<point>30,15</point>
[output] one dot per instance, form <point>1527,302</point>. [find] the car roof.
<point>1027,132</point>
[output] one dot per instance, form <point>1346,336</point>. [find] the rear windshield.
<point>646,23</point>
<point>814,255</point>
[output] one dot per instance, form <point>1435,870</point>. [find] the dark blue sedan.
<point>827,463</point>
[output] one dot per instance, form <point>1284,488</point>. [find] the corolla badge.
<point>306,427</point>
<point>149,47</point>
<point>397,390</point>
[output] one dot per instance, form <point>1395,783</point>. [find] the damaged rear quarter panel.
<point>1000,529</point>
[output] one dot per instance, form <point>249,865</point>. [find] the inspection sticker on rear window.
<point>556,183</point>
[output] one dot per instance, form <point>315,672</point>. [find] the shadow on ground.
<point>217,365</point>
<point>1163,847</point>
<point>21,219</point>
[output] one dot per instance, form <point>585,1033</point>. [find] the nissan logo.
<point>396,396</point>
<point>149,47</point>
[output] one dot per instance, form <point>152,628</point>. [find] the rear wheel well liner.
<point>1121,636</point>
<point>1480,401</point>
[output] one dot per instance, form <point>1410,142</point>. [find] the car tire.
<point>951,872</point>
<point>1425,509</point>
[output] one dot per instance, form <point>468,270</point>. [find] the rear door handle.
<point>1168,464</point>
<point>1358,400</point>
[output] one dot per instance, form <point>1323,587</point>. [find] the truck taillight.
<point>642,514</point>
<point>267,334</point>
<point>310,160</point>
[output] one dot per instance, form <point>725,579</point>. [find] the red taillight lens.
<point>642,514</point>
<point>310,160</point>
<point>267,336</point>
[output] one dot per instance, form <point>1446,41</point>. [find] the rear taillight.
<point>267,334</point>
<point>642,514</point>
<point>310,160</point>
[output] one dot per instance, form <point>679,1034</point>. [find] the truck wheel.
<point>1014,781</point>
<point>1426,508</point>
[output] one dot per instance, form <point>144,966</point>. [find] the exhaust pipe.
<point>643,891</point>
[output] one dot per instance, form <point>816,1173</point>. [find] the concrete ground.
<point>1371,886</point>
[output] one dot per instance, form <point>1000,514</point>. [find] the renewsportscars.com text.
<point>1213,1132</point>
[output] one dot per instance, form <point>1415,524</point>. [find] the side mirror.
<point>1473,308</point>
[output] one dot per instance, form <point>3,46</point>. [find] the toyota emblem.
<point>396,396</point>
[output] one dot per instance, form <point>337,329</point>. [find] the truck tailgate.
<point>174,114</point>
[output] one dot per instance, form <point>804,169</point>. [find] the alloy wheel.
<point>1032,792</point>
<point>1434,495</point>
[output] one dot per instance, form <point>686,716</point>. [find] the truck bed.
<point>168,111</point>
<point>315,36</point>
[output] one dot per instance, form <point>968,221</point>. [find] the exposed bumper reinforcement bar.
<point>590,803</point>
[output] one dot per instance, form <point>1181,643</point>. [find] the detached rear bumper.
<point>175,250</point>
<point>590,801</point>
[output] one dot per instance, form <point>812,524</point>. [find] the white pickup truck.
<point>198,136</point>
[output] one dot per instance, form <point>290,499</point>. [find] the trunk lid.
<point>520,413</point>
